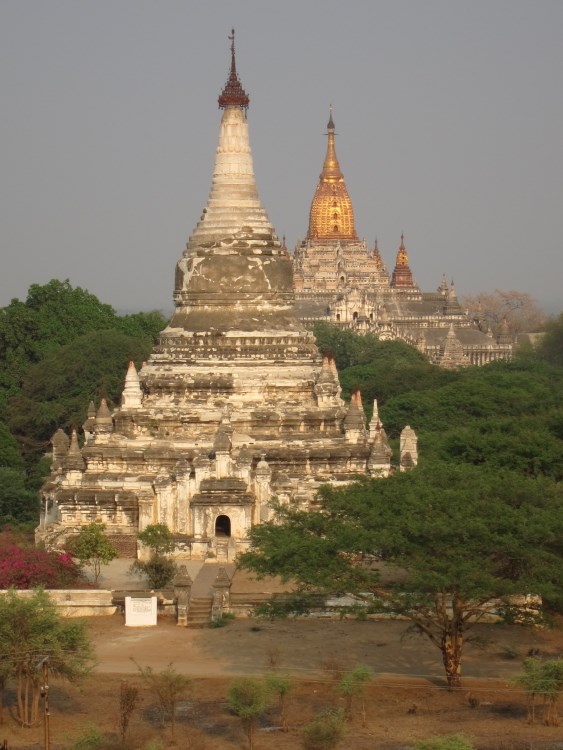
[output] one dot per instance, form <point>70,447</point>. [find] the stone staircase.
<point>222,550</point>
<point>199,612</point>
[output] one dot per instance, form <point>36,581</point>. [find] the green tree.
<point>550,347</point>
<point>158,538</point>
<point>52,315</point>
<point>501,389</point>
<point>143,325</point>
<point>248,699</point>
<point>56,391</point>
<point>17,503</point>
<point>10,456</point>
<point>158,569</point>
<point>168,687</point>
<point>60,349</point>
<point>352,685</point>
<point>280,685</point>
<point>381,369</point>
<point>543,679</point>
<point>93,548</point>
<point>30,630</point>
<point>463,538</point>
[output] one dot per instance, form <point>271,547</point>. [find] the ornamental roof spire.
<point>331,167</point>
<point>233,94</point>
<point>377,256</point>
<point>331,216</point>
<point>233,208</point>
<point>402,275</point>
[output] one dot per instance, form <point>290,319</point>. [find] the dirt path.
<point>307,647</point>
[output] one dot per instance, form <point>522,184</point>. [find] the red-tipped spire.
<point>233,95</point>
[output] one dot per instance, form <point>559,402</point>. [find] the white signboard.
<point>140,611</point>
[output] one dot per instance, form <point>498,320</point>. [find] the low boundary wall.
<point>78,602</point>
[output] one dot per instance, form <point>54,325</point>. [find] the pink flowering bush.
<point>27,567</point>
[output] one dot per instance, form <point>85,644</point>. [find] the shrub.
<point>27,567</point>
<point>128,700</point>
<point>90,739</point>
<point>158,571</point>
<point>544,679</point>
<point>168,688</point>
<point>324,732</point>
<point>447,742</point>
<point>248,698</point>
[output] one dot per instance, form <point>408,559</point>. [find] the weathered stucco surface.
<point>234,407</point>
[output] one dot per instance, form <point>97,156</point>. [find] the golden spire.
<point>402,255</point>
<point>402,276</point>
<point>331,216</point>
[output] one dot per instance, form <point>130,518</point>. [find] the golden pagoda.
<point>331,216</point>
<point>338,279</point>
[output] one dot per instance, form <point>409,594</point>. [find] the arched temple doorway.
<point>223,526</point>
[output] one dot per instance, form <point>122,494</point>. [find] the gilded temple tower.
<point>332,215</point>
<point>338,279</point>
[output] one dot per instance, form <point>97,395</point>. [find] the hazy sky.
<point>449,117</point>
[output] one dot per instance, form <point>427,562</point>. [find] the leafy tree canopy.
<point>158,538</point>
<point>350,349</point>
<point>457,537</point>
<point>92,548</point>
<point>56,391</point>
<point>500,389</point>
<point>17,503</point>
<point>10,456</point>
<point>53,315</point>
<point>550,347</point>
<point>30,631</point>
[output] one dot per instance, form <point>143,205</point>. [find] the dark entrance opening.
<point>223,526</point>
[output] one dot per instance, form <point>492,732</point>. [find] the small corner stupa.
<point>235,406</point>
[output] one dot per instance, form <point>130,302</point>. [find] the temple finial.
<point>330,125</point>
<point>231,38</point>
<point>233,95</point>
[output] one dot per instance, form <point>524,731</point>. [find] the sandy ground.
<point>406,701</point>
<point>306,646</point>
